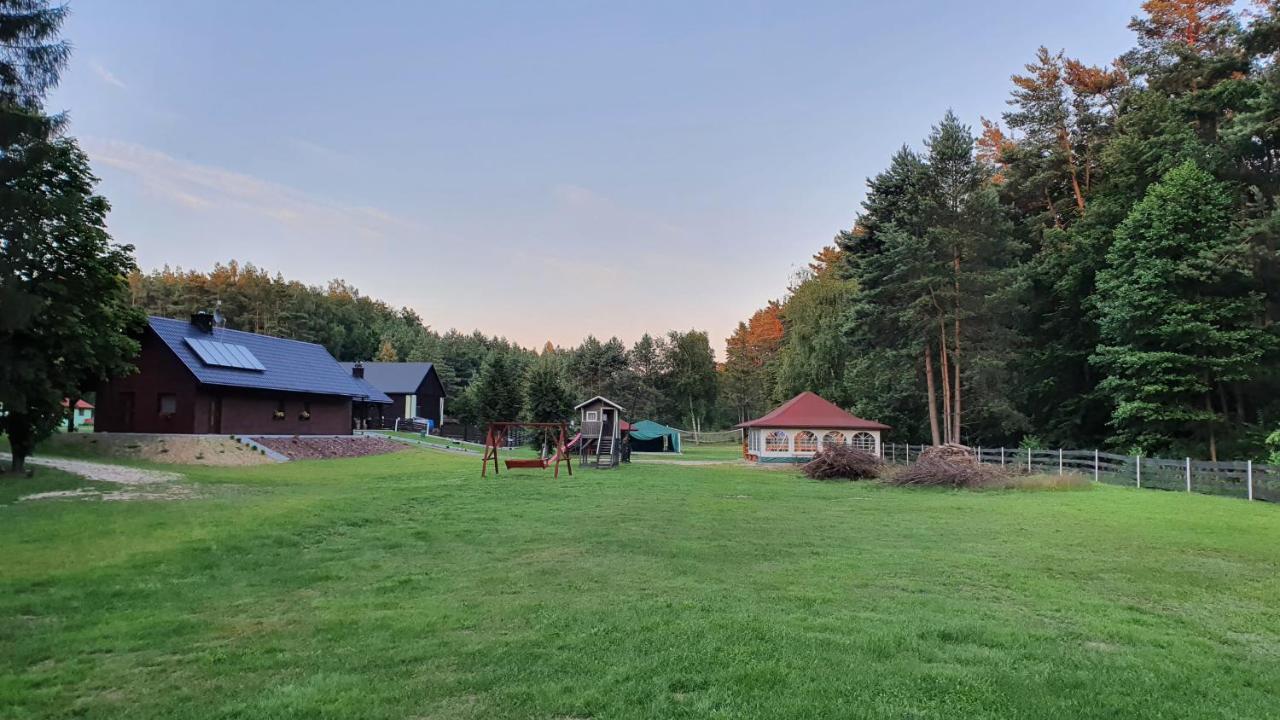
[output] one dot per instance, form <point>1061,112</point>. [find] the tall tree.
<point>66,321</point>
<point>1179,314</point>
<point>497,393</point>
<point>691,367</point>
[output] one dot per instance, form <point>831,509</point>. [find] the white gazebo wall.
<point>756,443</point>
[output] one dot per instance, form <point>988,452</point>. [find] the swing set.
<point>496,436</point>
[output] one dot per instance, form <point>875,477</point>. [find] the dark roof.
<point>808,410</point>
<point>401,378</point>
<point>288,365</point>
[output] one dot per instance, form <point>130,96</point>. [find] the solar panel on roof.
<point>220,354</point>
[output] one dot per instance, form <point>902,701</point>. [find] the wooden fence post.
<point>1028,461</point>
<point>1248,472</point>
<point>1059,461</point>
<point>979,455</point>
<point>1001,456</point>
<point>1139,466</point>
<point>1095,466</point>
<point>1188,474</point>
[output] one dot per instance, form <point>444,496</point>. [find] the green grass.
<point>405,586</point>
<point>706,451</point>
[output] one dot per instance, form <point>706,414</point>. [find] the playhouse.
<point>602,432</point>
<point>797,429</point>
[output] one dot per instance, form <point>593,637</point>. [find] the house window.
<point>777,441</point>
<point>279,413</point>
<point>411,406</point>
<point>306,411</point>
<point>592,416</point>
<point>835,437</point>
<point>167,404</point>
<point>864,441</point>
<point>806,442</point>
<point>753,441</point>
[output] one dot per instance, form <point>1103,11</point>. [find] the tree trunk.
<point>955,353</point>
<point>933,394</point>
<point>1238,391</point>
<point>944,361</point>
<point>21,441</point>
<point>1213,444</point>
<point>1065,138</point>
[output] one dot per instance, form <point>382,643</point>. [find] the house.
<point>798,428</point>
<point>602,427</point>
<point>414,388</point>
<point>81,416</point>
<point>194,377</point>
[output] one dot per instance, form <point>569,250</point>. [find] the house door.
<point>215,415</point>
<point>126,411</point>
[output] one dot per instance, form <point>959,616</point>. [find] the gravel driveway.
<point>137,484</point>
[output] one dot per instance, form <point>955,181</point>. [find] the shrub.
<point>842,462</point>
<point>947,466</point>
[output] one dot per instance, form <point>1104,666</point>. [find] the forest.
<point>1096,266</point>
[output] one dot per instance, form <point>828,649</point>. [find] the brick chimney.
<point>357,370</point>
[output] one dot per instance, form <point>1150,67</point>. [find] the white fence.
<point>1242,479</point>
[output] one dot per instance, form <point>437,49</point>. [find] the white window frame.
<point>853,441</point>
<point>593,416</point>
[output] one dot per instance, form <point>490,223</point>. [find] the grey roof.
<point>289,365</point>
<point>401,378</point>
<point>603,399</point>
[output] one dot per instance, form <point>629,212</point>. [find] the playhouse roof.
<point>602,399</point>
<point>808,410</point>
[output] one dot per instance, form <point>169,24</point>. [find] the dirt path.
<point>137,484</point>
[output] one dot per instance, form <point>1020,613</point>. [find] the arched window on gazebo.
<point>864,441</point>
<point>777,441</point>
<point>806,442</point>
<point>835,437</point>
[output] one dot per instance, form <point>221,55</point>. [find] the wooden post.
<point>1028,461</point>
<point>1001,456</point>
<point>979,454</point>
<point>1188,474</point>
<point>1248,474</point>
<point>1059,461</point>
<point>1139,467</point>
<point>893,453</point>
<point>1095,466</point>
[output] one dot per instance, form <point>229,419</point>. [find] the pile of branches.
<point>948,465</point>
<point>842,462</point>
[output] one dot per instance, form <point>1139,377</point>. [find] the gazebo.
<point>801,426</point>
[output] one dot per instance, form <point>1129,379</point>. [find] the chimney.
<point>202,320</point>
<point>357,370</point>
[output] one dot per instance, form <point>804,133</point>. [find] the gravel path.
<point>137,484</point>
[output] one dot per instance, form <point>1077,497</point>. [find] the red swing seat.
<point>539,464</point>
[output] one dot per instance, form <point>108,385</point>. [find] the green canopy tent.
<point>649,436</point>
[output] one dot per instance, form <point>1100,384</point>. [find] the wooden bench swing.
<point>496,436</point>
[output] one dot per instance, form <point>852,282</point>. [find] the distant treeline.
<point>672,378</point>
<point>1097,268</point>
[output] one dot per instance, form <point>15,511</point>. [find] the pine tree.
<point>1179,314</point>
<point>546,395</point>
<point>496,394</point>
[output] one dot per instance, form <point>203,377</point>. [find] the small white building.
<point>800,427</point>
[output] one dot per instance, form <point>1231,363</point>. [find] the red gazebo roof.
<point>808,410</point>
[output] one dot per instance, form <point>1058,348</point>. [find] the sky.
<point>540,171</point>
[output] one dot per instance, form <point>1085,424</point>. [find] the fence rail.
<point>1234,478</point>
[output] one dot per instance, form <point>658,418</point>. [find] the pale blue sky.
<point>537,170</point>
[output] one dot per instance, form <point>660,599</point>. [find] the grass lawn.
<point>405,586</point>
<point>690,451</point>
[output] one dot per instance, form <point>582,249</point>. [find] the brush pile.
<point>842,462</point>
<point>949,465</point>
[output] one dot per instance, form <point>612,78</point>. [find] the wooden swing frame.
<point>497,434</point>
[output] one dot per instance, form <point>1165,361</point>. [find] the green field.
<point>404,586</point>
<point>690,451</point>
